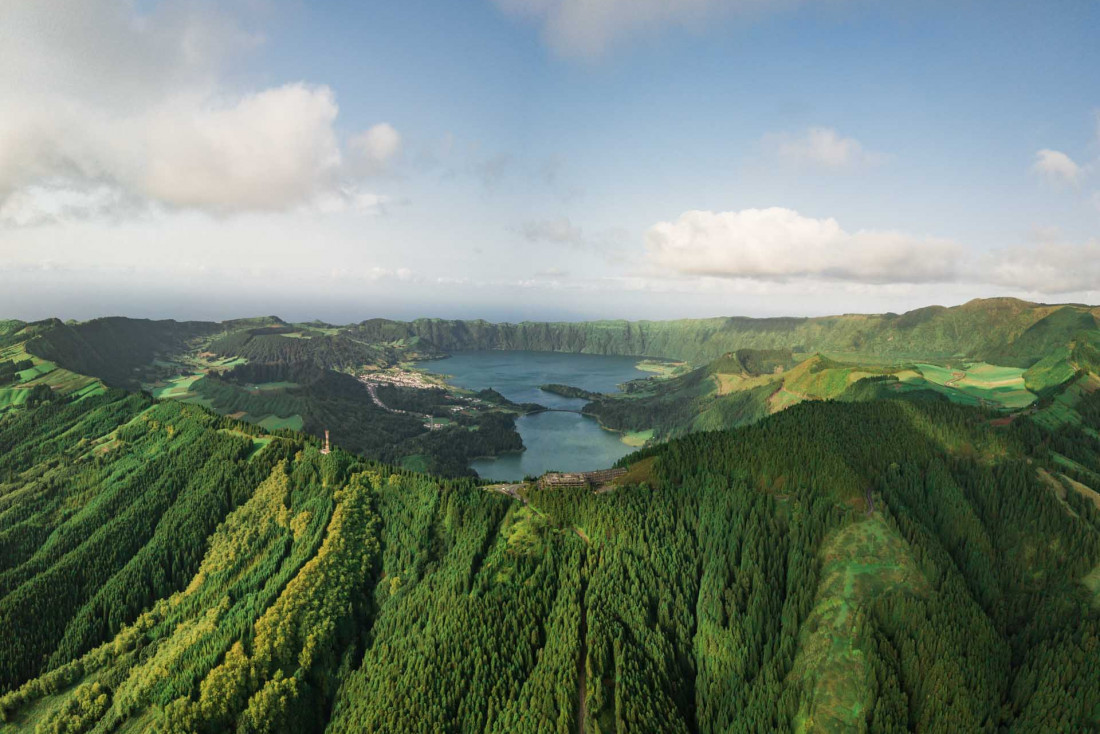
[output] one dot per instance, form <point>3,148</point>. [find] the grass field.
<point>1062,409</point>
<point>661,368</point>
<point>13,396</point>
<point>975,384</point>
<point>637,438</point>
<point>43,372</point>
<point>175,388</point>
<point>729,383</point>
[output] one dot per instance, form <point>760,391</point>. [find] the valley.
<point>811,541</point>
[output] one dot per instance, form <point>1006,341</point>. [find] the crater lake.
<point>554,441</point>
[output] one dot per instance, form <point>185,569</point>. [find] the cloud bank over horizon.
<point>778,244</point>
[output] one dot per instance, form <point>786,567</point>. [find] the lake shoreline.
<point>562,436</point>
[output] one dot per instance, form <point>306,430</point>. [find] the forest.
<point>892,565</point>
<point>822,546</point>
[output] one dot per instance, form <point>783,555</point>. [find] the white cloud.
<point>98,96</point>
<point>37,205</point>
<point>1055,165</point>
<point>778,244</point>
<point>1049,267</point>
<point>268,150</point>
<point>376,148</point>
<point>823,146</point>
<point>587,28</point>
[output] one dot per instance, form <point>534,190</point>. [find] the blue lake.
<point>554,441</point>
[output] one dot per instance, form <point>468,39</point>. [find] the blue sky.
<point>545,158</point>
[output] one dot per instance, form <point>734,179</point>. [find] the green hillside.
<point>977,330</point>
<point>884,566</point>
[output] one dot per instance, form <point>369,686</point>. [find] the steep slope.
<point>884,565</point>
<point>975,330</point>
<point>111,349</point>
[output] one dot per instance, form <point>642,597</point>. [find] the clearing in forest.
<point>860,563</point>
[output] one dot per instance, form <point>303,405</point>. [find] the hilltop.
<point>999,353</point>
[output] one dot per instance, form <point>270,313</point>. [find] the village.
<point>398,377</point>
<point>402,378</point>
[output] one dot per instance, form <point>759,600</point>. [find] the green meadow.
<point>977,384</point>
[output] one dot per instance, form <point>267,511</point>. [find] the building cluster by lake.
<point>403,378</point>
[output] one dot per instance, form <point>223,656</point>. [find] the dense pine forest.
<point>889,565</point>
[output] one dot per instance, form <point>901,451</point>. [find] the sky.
<point>545,159</point>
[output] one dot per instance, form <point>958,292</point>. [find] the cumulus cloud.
<point>824,147</point>
<point>376,148</point>
<point>779,244</point>
<point>98,96</point>
<point>586,29</point>
<point>1055,165</point>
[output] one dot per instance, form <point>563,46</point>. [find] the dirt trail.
<point>954,381</point>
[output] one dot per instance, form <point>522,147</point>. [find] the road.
<point>372,389</point>
<point>954,381</point>
<point>512,490</point>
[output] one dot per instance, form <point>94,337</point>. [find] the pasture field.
<point>730,383</point>
<point>176,388</point>
<point>1062,409</point>
<point>1051,371</point>
<point>815,379</point>
<point>783,399</point>
<point>637,438</point>
<point>978,384</point>
<point>44,372</point>
<point>13,396</point>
